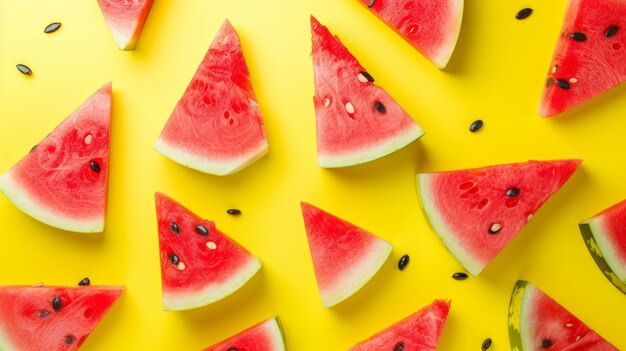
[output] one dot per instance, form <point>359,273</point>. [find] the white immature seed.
<point>495,227</point>
<point>181,266</point>
<point>554,69</point>
<point>211,245</point>
<point>362,78</point>
<point>578,338</point>
<point>349,108</point>
<point>88,139</point>
<point>573,80</point>
<point>326,102</point>
<point>38,284</point>
<point>569,325</point>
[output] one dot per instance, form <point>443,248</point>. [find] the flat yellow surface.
<point>496,74</point>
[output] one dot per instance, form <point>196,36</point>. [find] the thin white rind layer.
<point>617,265</point>
<point>358,275</point>
<point>369,154</point>
<point>441,229</point>
<point>276,331</point>
<point>441,60</point>
<point>177,301</point>
<point>5,345</point>
<point>25,202</point>
<point>196,162</point>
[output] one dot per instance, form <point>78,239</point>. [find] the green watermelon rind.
<point>518,315</point>
<point>352,158</point>
<point>21,198</point>
<point>359,275</point>
<point>181,300</point>
<point>440,228</point>
<point>603,253</point>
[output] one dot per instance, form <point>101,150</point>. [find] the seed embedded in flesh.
<point>579,37</point>
<point>95,166</point>
<point>349,107</point>
<point>24,69</point>
<point>174,259</point>
<point>399,347</point>
<point>476,125</point>
<point>611,31</point>
<point>88,139</point>
<point>403,262</point>
<point>459,276</point>
<point>486,344</point>
<point>233,211</point>
<point>365,77</point>
<point>200,229</point>
<point>524,13</point>
<point>43,314</point>
<point>56,303</point>
<point>233,349</point>
<point>175,228</point>
<point>211,245</point>
<point>84,282</point>
<point>180,266</point>
<point>555,69</point>
<point>34,148</point>
<point>545,343</point>
<point>513,192</point>
<point>573,80</point>
<point>569,325</point>
<point>52,27</point>
<point>371,3</point>
<point>495,228</point>
<point>380,107</point>
<point>70,339</point>
<point>549,82</point>
<point>563,84</point>
<point>326,102</point>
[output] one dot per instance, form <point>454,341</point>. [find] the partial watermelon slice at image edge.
<point>126,24</point>
<point>266,336</point>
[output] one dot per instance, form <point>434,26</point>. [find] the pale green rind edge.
<point>518,315</point>
<point>184,301</point>
<point>430,212</point>
<point>603,253</point>
<point>23,201</point>
<point>442,61</point>
<point>278,335</point>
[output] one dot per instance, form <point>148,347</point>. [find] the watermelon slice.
<point>345,257</point>
<point>125,19</point>
<point>63,180</point>
<point>217,127</point>
<point>265,336</point>
<point>417,332</point>
<point>431,27</point>
<point>537,322</point>
<point>51,317</point>
<point>590,55</point>
<point>476,212</point>
<point>199,264</point>
<point>357,121</point>
<point>605,237</point>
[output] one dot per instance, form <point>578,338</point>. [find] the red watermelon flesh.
<point>582,69</point>
<point>208,265</point>
<point>605,237</point>
<point>345,257</point>
<point>125,19</point>
<point>417,332</point>
<point>431,27</point>
<point>476,212</point>
<point>357,121</point>
<point>28,320</point>
<point>265,336</point>
<point>538,323</point>
<point>217,127</point>
<point>63,180</point>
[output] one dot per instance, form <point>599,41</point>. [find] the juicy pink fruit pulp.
<point>125,19</point>
<point>260,337</point>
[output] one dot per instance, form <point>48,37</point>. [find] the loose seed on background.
<point>563,84</point>
<point>513,192</point>
<point>380,107</point>
<point>486,344</point>
<point>233,211</point>
<point>459,276</point>
<point>611,31</point>
<point>579,37</point>
<point>476,125</point>
<point>52,27</point>
<point>95,166</point>
<point>403,262</point>
<point>200,229</point>
<point>84,282</point>
<point>524,13</point>
<point>56,303</point>
<point>175,228</point>
<point>371,3</point>
<point>24,69</point>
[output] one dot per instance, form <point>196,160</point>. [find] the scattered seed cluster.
<point>198,229</point>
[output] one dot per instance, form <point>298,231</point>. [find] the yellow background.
<point>496,74</point>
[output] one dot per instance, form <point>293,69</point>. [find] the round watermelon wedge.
<point>217,127</point>
<point>199,264</point>
<point>605,237</point>
<point>265,336</point>
<point>589,57</point>
<point>537,323</point>
<point>51,317</point>
<point>63,180</point>
<point>476,212</point>
<point>417,332</point>
<point>125,19</point>
<point>357,121</point>
<point>345,257</point>
<point>431,27</point>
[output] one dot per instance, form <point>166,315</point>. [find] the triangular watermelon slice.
<point>537,322</point>
<point>345,257</point>
<point>431,27</point>
<point>417,332</point>
<point>590,55</point>
<point>605,237</point>
<point>125,19</point>
<point>63,180</point>
<point>476,212</point>
<point>217,127</point>
<point>52,317</point>
<point>265,336</point>
<point>199,264</point>
<point>357,121</point>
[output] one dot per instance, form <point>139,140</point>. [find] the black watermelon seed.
<point>34,148</point>
<point>367,76</point>
<point>43,314</point>
<point>545,343</point>
<point>84,282</point>
<point>399,347</point>
<point>524,13</point>
<point>611,31</point>
<point>174,259</point>
<point>24,69</point>
<point>579,37</point>
<point>380,107</point>
<point>95,166</point>
<point>459,276</point>
<point>403,262</point>
<point>233,349</point>
<point>70,339</point>
<point>52,27</point>
<point>486,344</point>
<point>549,82</point>
<point>476,125</point>
<point>563,84</point>
<point>175,228</point>
<point>233,211</point>
<point>513,192</point>
<point>371,3</point>
<point>200,229</point>
<point>56,303</point>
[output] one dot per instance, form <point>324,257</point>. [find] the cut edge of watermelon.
<point>360,274</point>
<point>183,300</point>
<point>275,329</point>
<point>442,58</point>
<point>412,133</point>
<point>187,159</point>
<point>603,252</point>
<point>23,201</point>
<point>467,261</point>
